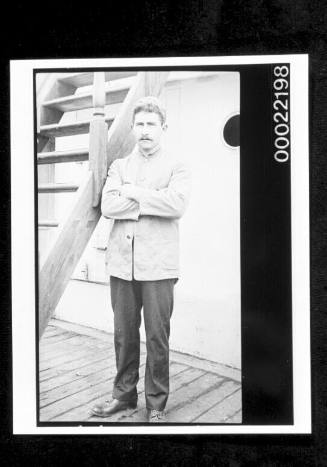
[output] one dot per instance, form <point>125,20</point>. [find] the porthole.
<point>231,131</point>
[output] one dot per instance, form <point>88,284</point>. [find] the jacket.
<point>144,239</point>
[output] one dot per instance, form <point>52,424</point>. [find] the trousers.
<point>157,300</point>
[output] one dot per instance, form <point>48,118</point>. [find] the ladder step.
<point>57,187</point>
<point>48,223</point>
<point>63,156</point>
<point>77,128</point>
<point>86,79</point>
<point>115,94</point>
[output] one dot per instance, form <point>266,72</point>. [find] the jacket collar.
<point>155,152</point>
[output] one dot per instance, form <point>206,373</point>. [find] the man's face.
<point>148,130</point>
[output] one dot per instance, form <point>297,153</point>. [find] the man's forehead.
<point>143,115</point>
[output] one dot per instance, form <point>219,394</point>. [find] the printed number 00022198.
<point>281,113</point>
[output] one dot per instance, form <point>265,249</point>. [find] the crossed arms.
<point>129,201</point>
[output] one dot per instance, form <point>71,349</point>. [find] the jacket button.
<point>129,237</point>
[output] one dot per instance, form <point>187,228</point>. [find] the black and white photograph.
<point>168,285</point>
<point>169,233</point>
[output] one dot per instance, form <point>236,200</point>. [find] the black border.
<point>267,380</point>
<point>219,28</point>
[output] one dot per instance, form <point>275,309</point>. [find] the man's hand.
<point>131,191</point>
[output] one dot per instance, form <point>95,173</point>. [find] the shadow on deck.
<point>77,368</point>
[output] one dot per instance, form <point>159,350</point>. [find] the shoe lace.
<point>156,415</point>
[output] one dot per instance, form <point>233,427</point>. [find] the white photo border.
<point>23,245</point>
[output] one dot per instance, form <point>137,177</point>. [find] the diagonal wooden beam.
<point>75,233</point>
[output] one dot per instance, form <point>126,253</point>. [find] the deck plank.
<point>56,339</point>
<point>181,380</point>
<point>79,413</point>
<point>183,395</point>
<point>74,344</point>
<point>77,385</point>
<point>193,408</point>
<point>75,381</point>
<point>76,364</point>
<point>54,383</point>
<point>73,354</point>
<point>87,396</point>
<point>72,339</point>
<point>102,386</point>
<point>224,409</point>
<point>59,360</point>
<point>77,406</point>
<point>236,418</point>
<point>77,370</point>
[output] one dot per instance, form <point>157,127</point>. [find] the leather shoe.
<point>157,416</point>
<point>107,408</point>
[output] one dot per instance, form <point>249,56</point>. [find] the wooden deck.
<point>77,367</point>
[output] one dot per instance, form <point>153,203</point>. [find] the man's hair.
<point>150,104</point>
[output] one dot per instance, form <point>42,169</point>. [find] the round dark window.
<point>231,131</point>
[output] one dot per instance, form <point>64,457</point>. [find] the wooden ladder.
<point>55,96</point>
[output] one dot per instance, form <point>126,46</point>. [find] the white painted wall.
<point>206,317</point>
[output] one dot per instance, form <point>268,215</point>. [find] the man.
<point>145,193</point>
